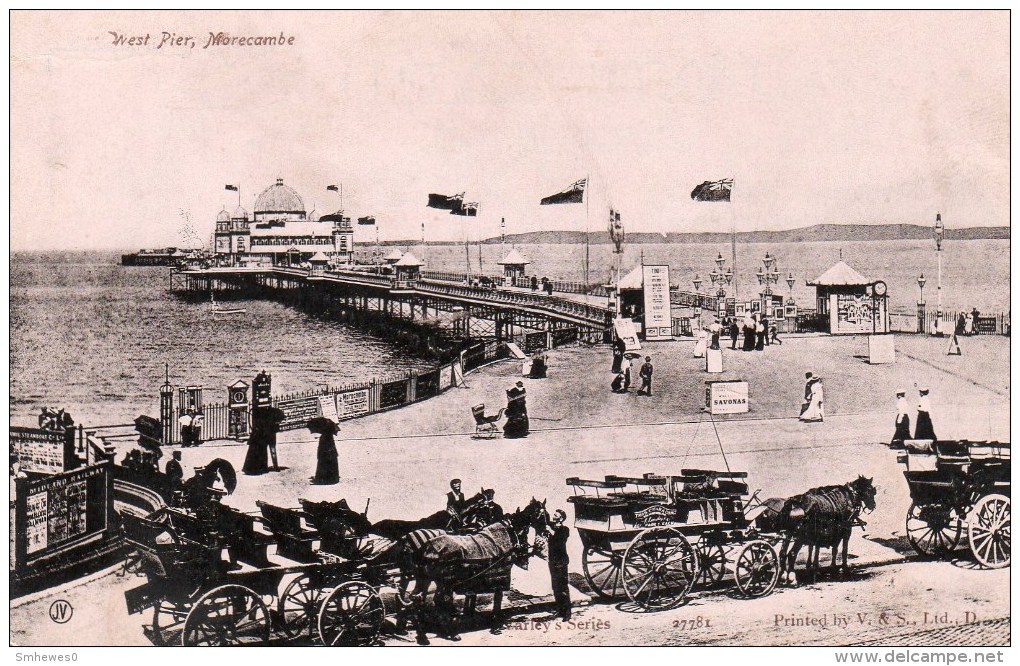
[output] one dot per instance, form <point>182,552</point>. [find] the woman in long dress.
<point>902,432</point>
<point>925,429</point>
<point>699,346</point>
<point>749,330</point>
<point>327,465</point>
<point>517,424</point>
<point>815,412</point>
<point>257,459</point>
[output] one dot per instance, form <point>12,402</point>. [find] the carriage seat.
<point>293,539</point>
<point>244,541</point>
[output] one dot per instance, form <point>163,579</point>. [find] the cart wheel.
<point>933,530</point>
<point>711,563</point>
<point>227,615</point>
<point>988,528</point>
<point>602,570</point>
<point>351,615</point>
<point>756,569</point>
<point>168,622</point>
<point>659,568</point>
<point>299,606</point>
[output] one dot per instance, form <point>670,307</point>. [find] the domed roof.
<point>279,198</point>
<point>239,214</point>
<point>223,216</point>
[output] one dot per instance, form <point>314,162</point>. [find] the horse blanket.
<point>473,563</point>
<point>821,515</point>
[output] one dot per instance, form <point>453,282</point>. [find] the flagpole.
<point>733,241</point>
<point>587,228</point>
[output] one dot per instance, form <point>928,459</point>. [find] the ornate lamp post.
<point>768,275</point>
<point>720,279</point>
<point>790,281</point>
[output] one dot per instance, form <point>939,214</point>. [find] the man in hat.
<point>925,429</point>
<point>558,561</point>
<point>902,432</point>
<point>646,377</point>
<point>455,501</point>
<point>174,474</point>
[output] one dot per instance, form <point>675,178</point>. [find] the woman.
<point>617,356</point>
<point>815,412</point>
<point>902,432</point>
<point>699,346</point>
<point>517,423</point>
<point>264,424</point>
<point>749,328</point>
<point>759,336</point>
<point>327,466</point>
<point>925,429</point>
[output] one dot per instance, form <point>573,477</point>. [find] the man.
<point>646,377</point>
<point>174,476</point>
<point>734,332</point>
<point>902,432</point>
<point>625,368</point>
<point>185,422</point>
<point>925,429</point>
<point>455,501</point>
<point>197,421</point>
<point>808,381</point>
<point>558,561</point>
<point>975,313</point>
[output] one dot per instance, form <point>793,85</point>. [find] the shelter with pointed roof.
<point>850,303</point>
<point>393,257</point>
<point>408,268</point>
<point>513,264</point>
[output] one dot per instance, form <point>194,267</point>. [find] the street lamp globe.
<point>697,283</point>
<point>921,280</point>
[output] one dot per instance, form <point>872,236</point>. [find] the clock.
<point>238,396</point>
<point>879,288</point>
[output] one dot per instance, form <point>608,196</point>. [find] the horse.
<point>440,520</point>
<point>477,562</point>
<point>822,517</point>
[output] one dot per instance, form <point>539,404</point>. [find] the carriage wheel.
<point>603,571</point>
<point>659,568</point>
<point>756,569</point>
<point>711,563</point>
<point>351,615</point>
<point>168,622</point>
<point>988,528</point>
<point>299,606</point>
<point>227,615</point>
<point>933,530</point>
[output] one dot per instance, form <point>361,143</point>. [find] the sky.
<point>828,117</point>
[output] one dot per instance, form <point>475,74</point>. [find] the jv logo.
<point>61,611</point>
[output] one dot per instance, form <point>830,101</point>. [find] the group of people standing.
<point>966,322</point>
<point>756,330</point>
<point>623,367</point>
<point>923,428</point>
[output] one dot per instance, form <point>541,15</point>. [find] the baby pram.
<point>485,426</point>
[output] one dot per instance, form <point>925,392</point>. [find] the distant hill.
<point>818,232</point>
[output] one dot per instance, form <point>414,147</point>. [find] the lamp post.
<point>697,300</point>
<point>790,281</point>
<point>720,278</point>
<point>940,235</point>
<point>920,304</point>
<point>768,274</point>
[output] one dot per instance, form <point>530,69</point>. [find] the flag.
<point>369,219</point>
<point>332,188</point>
<point>445,202</point>
<point>468,209</point>
<point>573,194</point>
<point>713,190</point>
<point>232,188</point>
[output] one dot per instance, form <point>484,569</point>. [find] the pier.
<point>466,311</point>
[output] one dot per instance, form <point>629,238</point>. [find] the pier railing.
<point>593,313</point>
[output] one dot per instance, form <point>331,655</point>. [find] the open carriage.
<point>654,537</point>
<point>958,485</point>
<point>242,579</point>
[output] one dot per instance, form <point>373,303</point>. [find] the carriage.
<point>654,537</point>
<point>284,579</point>
<point>957,485</point>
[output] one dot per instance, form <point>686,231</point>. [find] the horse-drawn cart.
<point>956,485</point>
<point>654,537</point>
<point>254,596</point>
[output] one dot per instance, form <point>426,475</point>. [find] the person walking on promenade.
<point>774,334</point>
<point>185,421</point>
<point>265,422</point>
<point>558,561</point>
<point>715,328</point>
<point>646,377</point>
<point>961,324</point>
<point>174,477</point>
<point>618,351</point>
<point>327,463</point>
<point>815,412</point>
<point>617,385</point>
<point>734,332</point>
<point>759,333</point>
<point>702,341</point>
<point>765,324</point>
<point>749,327</point>
<point>925,429</point>
<point>626,368</point>
<point>968,324</point>
<point>975,313</point>
<point>517,424</point>
<point>902,432</point>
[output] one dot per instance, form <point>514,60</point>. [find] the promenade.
<point>402,460</point>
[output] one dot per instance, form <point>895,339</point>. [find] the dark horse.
<point>470,564</point>
<point>471,517</point>
<point>823,518</point>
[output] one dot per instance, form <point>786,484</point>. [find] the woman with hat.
<point>902,432</point>
<point>517,424</point>
<point>327,465</point>
<point>925,430</point>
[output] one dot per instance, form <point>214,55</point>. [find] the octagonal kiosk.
<point>406,271</point>
<point>851,304</point>
<point>513,264</point>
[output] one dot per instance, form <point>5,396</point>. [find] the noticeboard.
<point>352,403</point>
<point>727,397</point>
<point>64,507</point>
<point>658,315</point>
<point>298,411</point>
<point>42,451</point>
